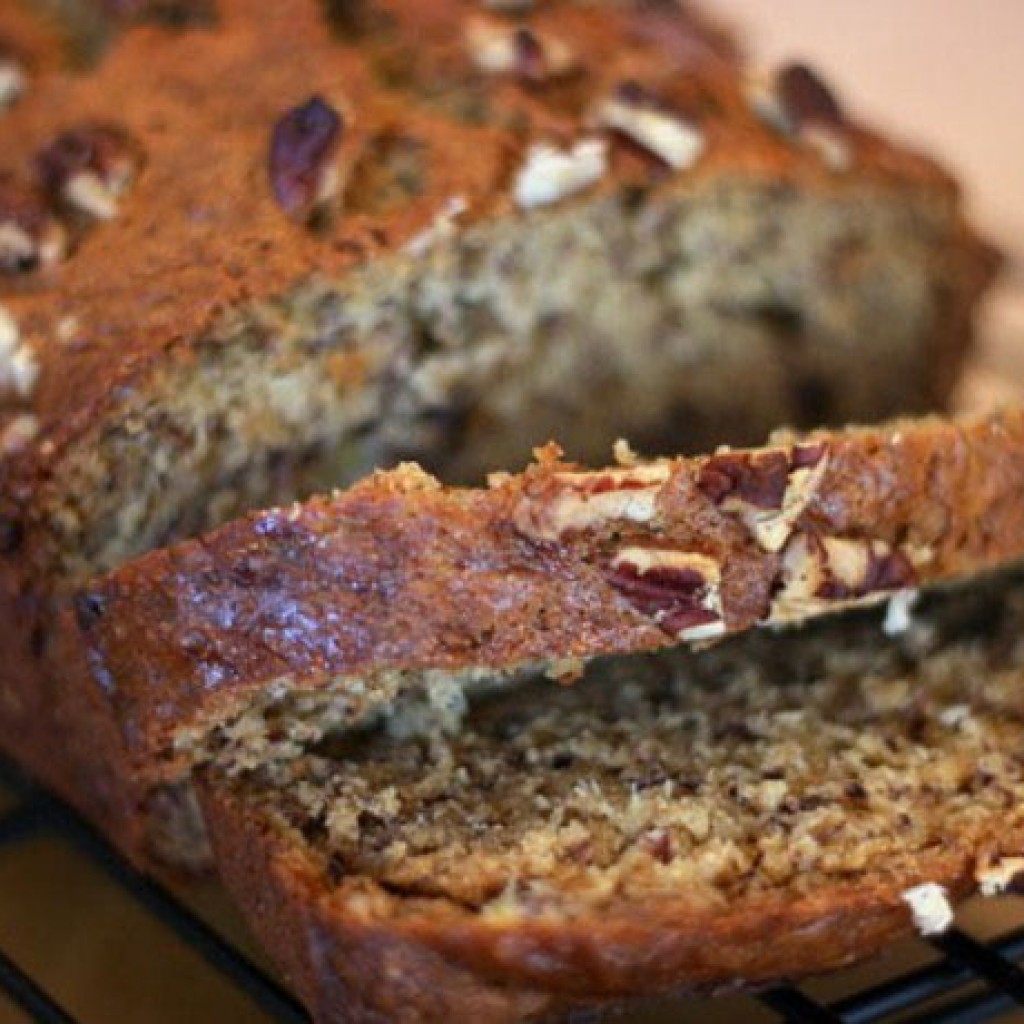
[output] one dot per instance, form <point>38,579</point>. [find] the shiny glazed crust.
<point>401,575</point>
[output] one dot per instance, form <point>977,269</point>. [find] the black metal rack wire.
<point>971,982</point>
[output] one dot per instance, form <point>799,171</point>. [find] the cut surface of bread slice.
<point>762,810</point>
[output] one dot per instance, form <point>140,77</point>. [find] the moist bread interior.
<point>610,317</point>
<point>825,754</point>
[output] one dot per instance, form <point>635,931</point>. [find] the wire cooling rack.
<point>971,981</point>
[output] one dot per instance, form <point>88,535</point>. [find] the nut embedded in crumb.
<point>798,103</point>
<point>20,371</point>
<point>19,365</point>
<point>550,175</point>
<point>680,589</point>
<point>90,168</point>
<point>768,490</point>
<point>1005,875</point>
<point>580,501</point>
<point>10,335</point>
<point>637,114</point>
<point>18,434</point>
<point>13,79</point>
<point>763,99</point>
<point>501,49</point>
<point>303,166</point>
<point>806,99</point>
<point>930,907</point>
<point>830,144</point>
<point>819,573</point>
<point>31,237</point>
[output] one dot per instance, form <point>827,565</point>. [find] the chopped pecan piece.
<point>806,99</point>
<point>13,75</point>
<point>799,103</point>
<point>768,490</point>
<point>1002,876</point>
<point>9,333</point>
<point>749,478</point>
<point>634,112</point>
<point>90,168</point>
<point>19,366</point>
<point>830,144</point>
<point>550,175</point>
<point>859,568</point>
<point>680,589</point>
<point>31,237</point>
<point>819,573</point>
<point>502,49</point>
<point>18,434</point>
<point>581,501</point>
<point>304,172</point>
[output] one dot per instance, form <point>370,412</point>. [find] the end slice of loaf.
<point>771,808</point>
<point>318,614</point>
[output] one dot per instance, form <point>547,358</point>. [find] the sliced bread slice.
<point>290,622</point>
<point>773,807</point>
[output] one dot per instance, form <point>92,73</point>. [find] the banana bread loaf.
<point>267,248</point>
<point>289,624</point>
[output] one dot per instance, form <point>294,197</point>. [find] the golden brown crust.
<point>401,574</point>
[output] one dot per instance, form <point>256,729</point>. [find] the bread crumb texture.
<point>820,757</point>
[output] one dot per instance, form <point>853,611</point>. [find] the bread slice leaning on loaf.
<point>264,635</point>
